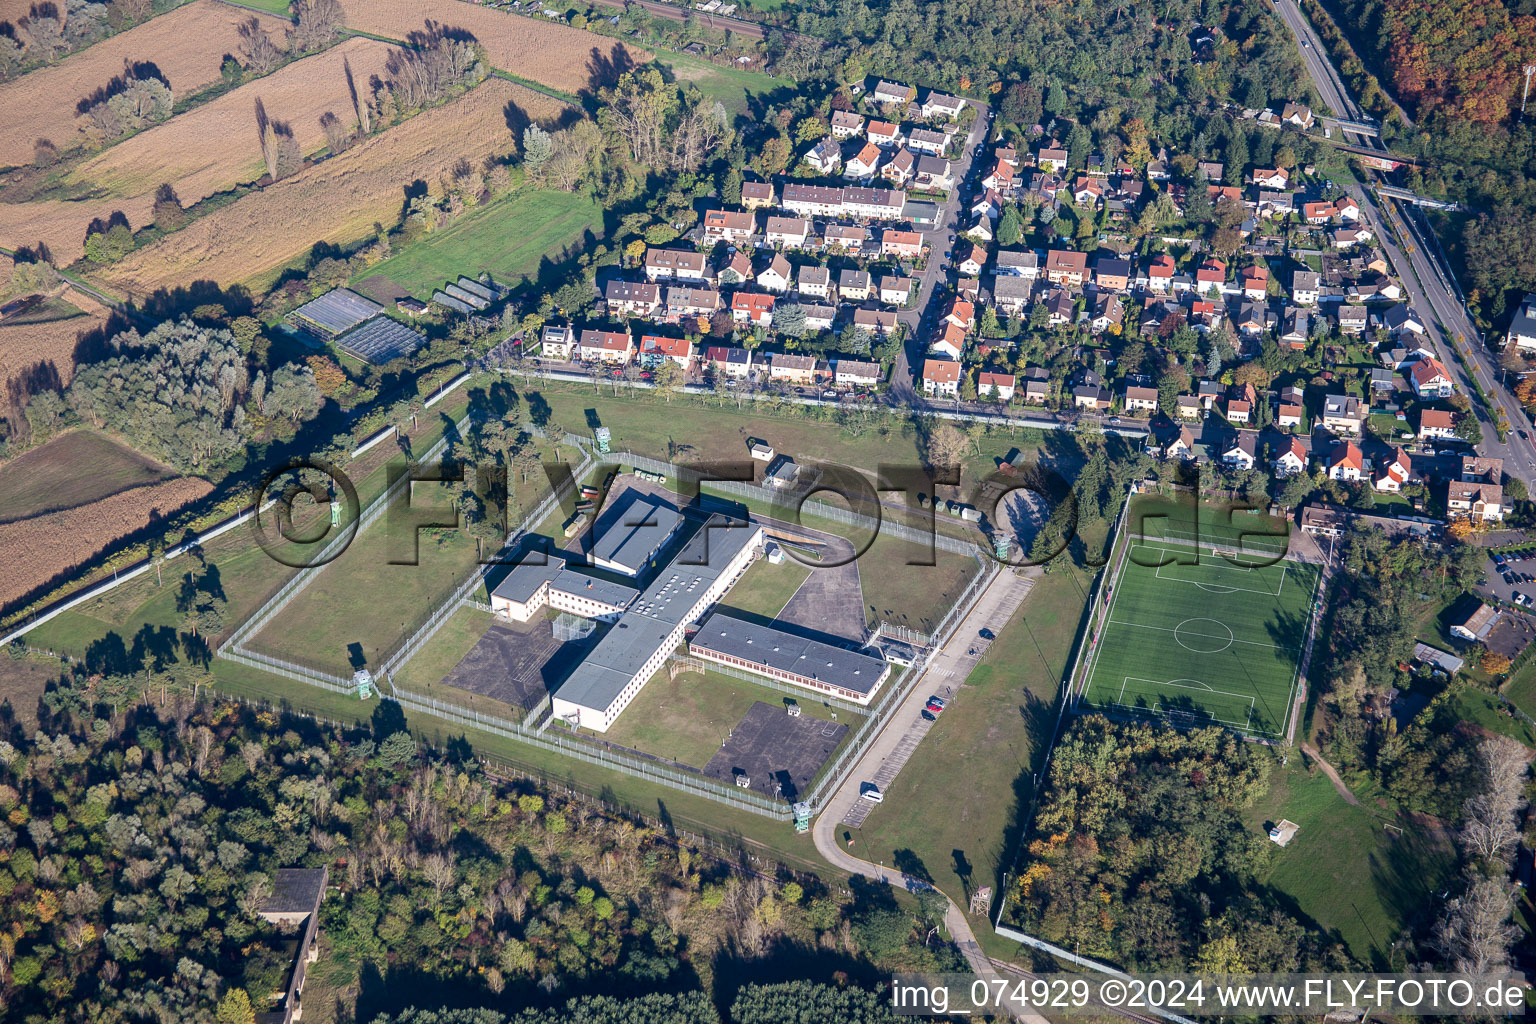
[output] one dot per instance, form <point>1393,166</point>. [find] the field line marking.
<point>1212,636</point>
<point>1206,687</point>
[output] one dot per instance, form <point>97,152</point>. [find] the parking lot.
<point>1521,569</point>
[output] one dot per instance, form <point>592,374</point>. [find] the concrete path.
<point>1333,776</point>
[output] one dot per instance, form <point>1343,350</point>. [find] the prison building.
<point>789,658</point>
<point>653,626</point>
<point>643,524</point>
<point>529,589</point>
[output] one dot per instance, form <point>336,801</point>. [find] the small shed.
<point>762,451</point>
<point>1283,832</point>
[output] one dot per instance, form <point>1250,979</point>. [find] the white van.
<point>872,793</point>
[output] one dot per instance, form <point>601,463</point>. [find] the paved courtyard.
<point>770,747</point>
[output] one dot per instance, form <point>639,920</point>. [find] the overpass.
<point>1393,192</point>
<point>1364,128</point>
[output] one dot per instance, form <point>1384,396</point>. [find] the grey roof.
<point>336,311</point>
<point>525,579</point>
<point>1524,323</point>
<point>639,528</point>
<point>381,339</point>
<point>295,891</point>
<point>787,652</point>
<point>1443,660</point>
<point>667,603</point>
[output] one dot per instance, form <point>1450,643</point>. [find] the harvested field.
<point>338,200</point>
<point>36,550</point>
<point>206,150</point>
<point>22,346</point>
<point>187,45</point>
<point>73,470</point>
<point>558,56</point>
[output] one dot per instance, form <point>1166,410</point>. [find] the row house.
<point>856,373</point>
<point>813,200</point>
<point>787,232</point>
<point>873,203</point>
<point>901,244</point>
<point>792,368</point>
<point>735,363</point>
<point>691,302</point>
<point>754,309</point>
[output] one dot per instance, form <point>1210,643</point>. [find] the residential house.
<point>1522,329</point>
<point>1010,294</point>
<point>1252,319</point>
<point>1211,276</point>
<point>1347,209</point>
<point>879,322</point>
<point>907,245</point>
<point>1290,457</point>
<point>1241,451</point>
<point>826,156</point>
<point>1037,385</point>
<point>1343,414</point>
<point>1391,473</point>
<point>1401,321</point>
<point>901,168</point>
<point>1478,468</point>
<point>737,270</point>
<point>864,164</point>
<point>1430,379</point>
<point>1348,238</point>
<point>1025,263</point>
<point>991,384</point>
<point>895,291</point>
<point>1052,159</point>
<point>1436,423</point>
<point>873,203</point>
<point>1478,501</point>
<point>1345,462</point>
<point>1187,407</point>
<point>969,259</point>
<point>1266,177</point>
<point>1275,205</point>
<point>1140,399</point>
<point>937,104</point>
<point>1091,396</point>
<point>1065,267</point>
<point>1351,319</point>
<point>787,232</point>
<point>1211,170</point>
<point>891,93</point>
<point>1107,312</point>
<point>1111,273</point>
<point>1000,178</point>
<point>846,237</point>
<point>1239,410</point>
<point>735,363</point>
<point>853,285</point>
<point>948,340</point>
<point>960,313</point>
<point>757,195</point>
<point>1159,273</point>
<point>752,308</point>
<point>1060,309</point>
<point>605,347</point>
<point>1298,115</point>
<point>813,200</point>
<point>935,173</point>
<point>856,373</point>
<point>791,368</point>
<point>556,342</point>
<point>883,134</point>
<point>941,378</point>
<point>1087,192</point>
<point>1295,327</point>
<point>815,281</point>
<point>819,318</point>
<point>921,140</point>
<point>685,301</point>
<point>733,226</point>
<point>632,298</point>
<point>1255,283</point>
<point>655,350</point>
<point>1304,287</point>
<point>777,275</point>
<point>678,265</point>
<point>846,124</point>
<point>1289,414</point>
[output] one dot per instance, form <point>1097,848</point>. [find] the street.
<point>1426,280</point>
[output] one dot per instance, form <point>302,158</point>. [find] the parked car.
<point>871,792</point>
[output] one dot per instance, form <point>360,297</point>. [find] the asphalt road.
<point>903,388</point>
<point>1426,281</point>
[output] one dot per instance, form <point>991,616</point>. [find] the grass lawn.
<point>278,7</point>
<point>1485,710</point>
<point>509,238</point>
<point>915,596</point>
<point>953,813</point>
<point>766,588</point>
<point>1344,870</point>
<point>454,639</point>
<point>1521,688</point>
<point>361,606</point>
<point>77,469</point>
<point>22,682</point>
<point>687,719</point>
<point>731,87</point>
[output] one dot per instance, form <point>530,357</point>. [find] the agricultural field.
<point>187,45</point>
<point>38,549</point>
<point>77,469</point>
<point>731,86</point>
<point>206,150</point>
<point>510,239</point>
<point>335,201</point>
<point>558,56</point>
<point>24,345</point>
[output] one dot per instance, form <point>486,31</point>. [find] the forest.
<point>138,846</point>
<point>1139,854</point>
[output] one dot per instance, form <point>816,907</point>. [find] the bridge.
<point>1393,192</point>
<point>1366,128</point>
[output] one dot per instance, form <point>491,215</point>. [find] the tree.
<point>1010,229</point>
<point>538,147</point>
<point>789,319</point>
<point>1492,825</point>
<point>945,446</point>
<point>315,24</point>
<point>258,52</point>
<point>235,1008</point>
<point>1474,933</point>
<point>337,135</point>
<point>266,132</point>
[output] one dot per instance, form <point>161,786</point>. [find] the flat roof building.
<point>643,524</point>
<point>652,627</point>
<point>764,650</point>
<point>529,588</point>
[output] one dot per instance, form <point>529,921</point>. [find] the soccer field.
<point>1202,643</point>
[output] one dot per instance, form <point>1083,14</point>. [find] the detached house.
<point>1478,501</point>
<point>846,124</point>
<point>1391,473</point>
<point>655,350</point>
<point>1066,268</point>
<point>1290,457</point>
<point>853,285</point>
<point>1265,177</point>
<point>731,226</point>
<point>792,368</point>
<point>865,163</point>
<point>1241,451</point>
<point>1255,283</point>
<point>1345,462</point>
<point>1436,423</point>
<point>776,276</point>
<point>677,265</point>
<point>605,347</point>
<point>941,378</point>
<point>826,156</point>
<point>901,244</point>
<point>757,195</point>
<point>883,134</point>
<point>1343,414</point>
<point>631,298</point>
<point>937,104</point>
<point>750,308</point>
<point>998,385</point>
<point>787,232</point>
<point>1140,399</point>
<point>1304,287</point>
<point>1052,159</point>
<point>893,92</point>
<point>1430,379</point>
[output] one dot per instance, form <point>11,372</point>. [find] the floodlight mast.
<point>1530,69</point>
